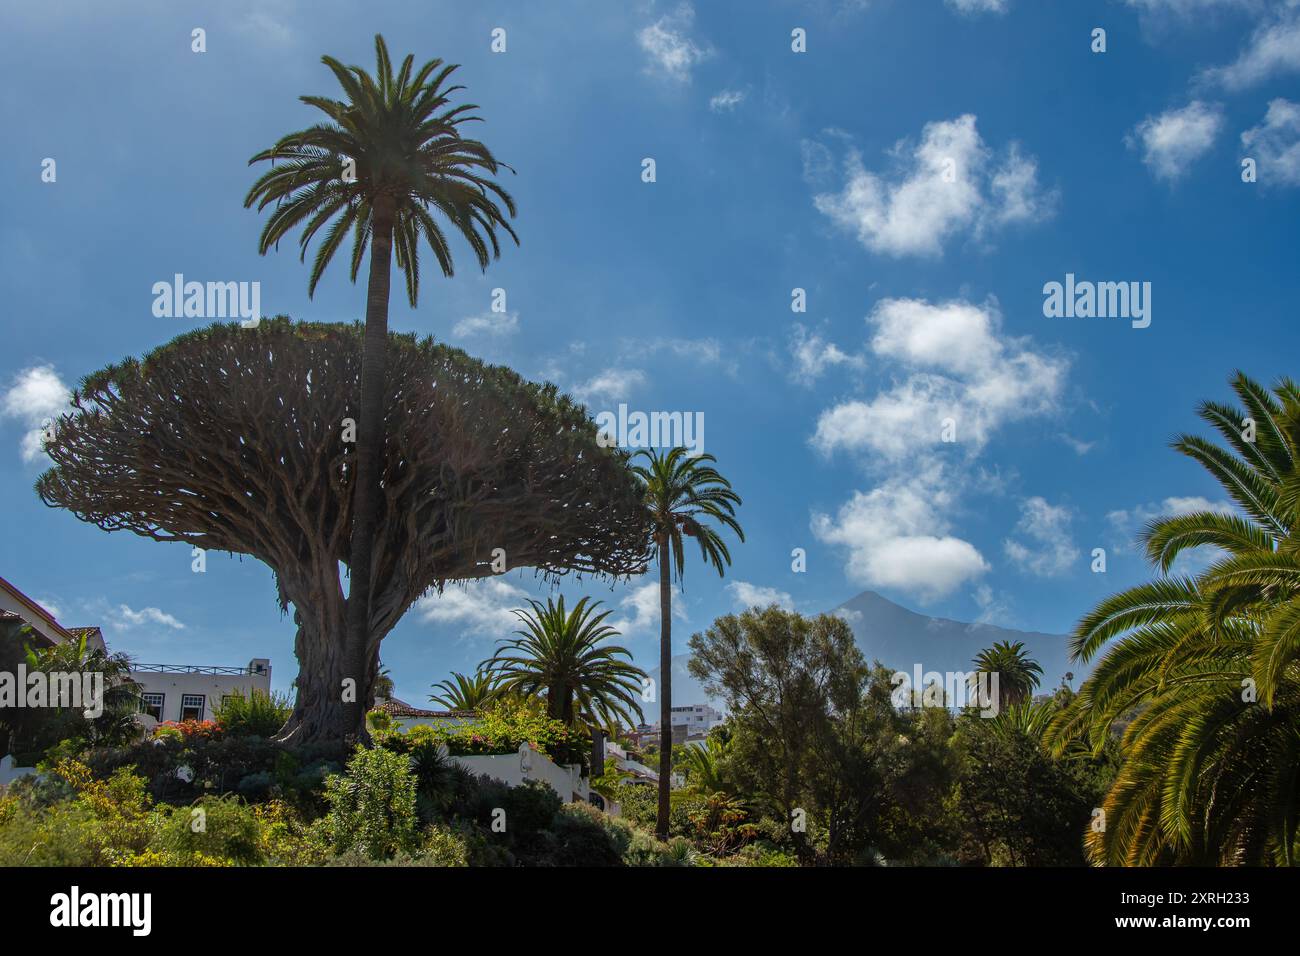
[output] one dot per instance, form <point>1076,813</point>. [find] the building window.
<point>152,704</point>
<point>191,707</point>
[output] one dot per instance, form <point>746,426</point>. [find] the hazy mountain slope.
<point>901,639</point>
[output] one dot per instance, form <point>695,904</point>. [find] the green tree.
<point>805,731</point>
<point>385,165</point>
<point>1017,673</point>
<point>1016,805</point>
<point>562,655</point>
<point>1204,666</point>
<point>684,494</point>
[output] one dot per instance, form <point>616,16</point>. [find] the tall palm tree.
<point>562,654</point>
<point>468,693</point>
<point>682,492</point>
<point>1018,673</point>
<point>1207,665</point>
<point>388,161</point>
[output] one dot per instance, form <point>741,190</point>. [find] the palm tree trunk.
<point>665,689</point>
<point>366,488</point>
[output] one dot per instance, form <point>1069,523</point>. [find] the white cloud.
<point>1050,550</point>
<point>979,6</point>
<point>52,609</point>
<point>1126,523</point>
<point>1275,143</point>
<point>1079,446</point>
<point>36,396</point>
<point>668,44</point>
<point>897,537</point>
<point>611,384</point>
<point>995,608</point>
<point>959,368</point>
<point>1274,49</point>
<point>813,355</point>
<point>953,363</point>
<point>486,323</point>
<point>125,618</point>
<point>746,595</point>
<point>705,351</point>
<point>483,607</point>
<point>641,610</point>
<point>945,185</point>
<point>1184,7</point>
<point>1171,141</point>
<point>725,101</point>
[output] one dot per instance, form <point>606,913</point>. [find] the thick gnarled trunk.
<point>333,691</point>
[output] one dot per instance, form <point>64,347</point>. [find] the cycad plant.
<point>1204,664</point>
<point>388,166</point>
<point>461,692</point>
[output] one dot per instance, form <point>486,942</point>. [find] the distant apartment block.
<point>697,719</point>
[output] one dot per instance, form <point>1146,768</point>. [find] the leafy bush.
<point>372,808</point>
<point>584,836</point>
<point>257,715</point>
<point>105,823</point>
<point>721,824</point>
<point>286,839</point>
<point>190,730</point>
<point>214,828</point>
<point>439,846</point>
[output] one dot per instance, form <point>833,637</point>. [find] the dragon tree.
<point>237,440</point>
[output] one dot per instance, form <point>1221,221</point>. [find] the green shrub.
<point>372,808</point>
<point>104,823</point>
<point>584,836</point>
<point>258,714</point>
<point>644,850</point>
<point>214,828</point>
<point>438,846</point>
<point>500,728</point>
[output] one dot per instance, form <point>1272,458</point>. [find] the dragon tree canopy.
<point>239,440</point>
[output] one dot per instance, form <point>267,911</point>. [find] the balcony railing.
<point>189,669</point>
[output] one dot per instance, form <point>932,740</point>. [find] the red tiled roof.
<point>399,708</point>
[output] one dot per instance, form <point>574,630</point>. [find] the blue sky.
<point>921,171</point>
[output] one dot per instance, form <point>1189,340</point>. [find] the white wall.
<point>9,773</point>
<point>174,685</point>
<point>528,764</point>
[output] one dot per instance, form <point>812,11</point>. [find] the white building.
<point>698,719</point>
<point>191,692</point>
